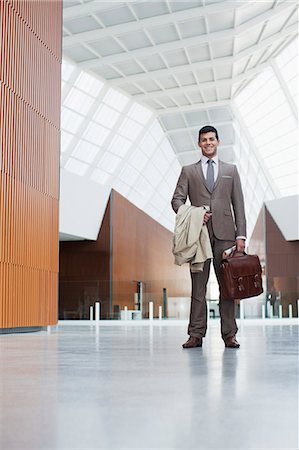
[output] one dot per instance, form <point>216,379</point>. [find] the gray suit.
<point>227,222</point>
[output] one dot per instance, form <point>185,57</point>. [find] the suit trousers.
<point>198,311</point>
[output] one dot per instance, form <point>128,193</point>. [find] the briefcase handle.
<point>236,254</point>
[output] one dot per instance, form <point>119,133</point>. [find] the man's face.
<point>208,144</point>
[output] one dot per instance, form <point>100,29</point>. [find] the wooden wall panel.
<point>280,259</point>
<point>282,265</point>
<point>30,55</point>
<point>84,275</point>
<point>142,250</point>
<point>131,247</point>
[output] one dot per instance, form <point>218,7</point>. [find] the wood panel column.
<point>30,86</point>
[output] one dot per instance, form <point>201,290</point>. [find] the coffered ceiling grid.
<point>186,61</point>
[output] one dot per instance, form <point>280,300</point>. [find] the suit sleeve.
<point>181,191</point>
<point>238,205</point>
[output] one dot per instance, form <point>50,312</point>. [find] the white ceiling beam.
<point>194,107</point>
<point>202,39</point>
<point>195,127</point>
<point>74,12</point>
<point>292,30</point>
<point>255,150</point>
<point>195,88</point>
<point>285,89</point>
<point>83,10</point>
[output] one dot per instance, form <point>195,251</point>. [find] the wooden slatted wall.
<point>30,66</point>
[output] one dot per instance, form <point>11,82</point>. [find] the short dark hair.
<point>207,129</point>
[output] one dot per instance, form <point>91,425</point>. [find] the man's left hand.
<point>240,245</point>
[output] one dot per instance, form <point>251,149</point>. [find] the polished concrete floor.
<point>134,387</point>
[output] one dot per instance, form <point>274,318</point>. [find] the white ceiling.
<point>184,60</point>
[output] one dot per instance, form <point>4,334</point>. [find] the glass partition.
<point>131,300</point>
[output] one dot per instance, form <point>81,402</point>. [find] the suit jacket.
<point>226,201</point>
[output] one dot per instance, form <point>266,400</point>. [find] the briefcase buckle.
<point>240,284</point>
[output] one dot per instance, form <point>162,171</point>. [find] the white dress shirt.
<point>204,164</point>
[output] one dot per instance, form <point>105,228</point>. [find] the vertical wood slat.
<point>30,55</point>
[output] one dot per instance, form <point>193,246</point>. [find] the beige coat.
<point>226,201</point>
<point>191,242</point>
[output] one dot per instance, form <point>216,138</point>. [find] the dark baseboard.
<point>21,330</point>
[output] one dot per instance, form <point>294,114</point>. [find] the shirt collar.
<point>204,159</point>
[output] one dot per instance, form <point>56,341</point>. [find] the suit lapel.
<point>220,169</point>
<point>201,175</point>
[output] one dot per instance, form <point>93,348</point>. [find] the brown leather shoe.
<point>231,342</point>
<point>193,342</point>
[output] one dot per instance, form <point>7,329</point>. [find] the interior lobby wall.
<point>30,85</point>
<point>84,276</point>
<point>142,251</point>
<point>131,247</point>
<point>280,260</point>
<point>282,265</point>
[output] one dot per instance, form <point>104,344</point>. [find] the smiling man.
<point>216,184</point>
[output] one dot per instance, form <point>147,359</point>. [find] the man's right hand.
<point>207,217</point>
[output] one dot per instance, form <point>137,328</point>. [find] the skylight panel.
<point>75,166</point>
<point>274,117</point>
<point>269,124</point>
<point>106,116</point>
<point>287,62</point>
<point>89,84</point>
<point>171,178</point>
<point>257,84</point>
<point>99,176</point>
<point>167,150</point>
<point>109,162</point>
<point>160,161</point>
<point>128,174</point>
<point>156,131</point>
<point>140,114</point>
<point>78,101</point>
<point>119,145</point>
<point>152,211</point>
<point>136,198</point>
<point>291,153</point>
<point>167,222</point>
<point>96,133</point>
<point>176,167</point>
<point>288,53</point>
<point>278,111</point>
<point>67,70</point>
<point>148,144</point>
<point>152,175</point>
<point>130,129</point>
<point>116,99</point>
<point>138,159</point>
<point>165,191</point>
<point>70,120</point>
<point>65,140</point>
<point>282,169</point>
<point>144,188</point>
<point>121,187</point>
<point>86,151</point>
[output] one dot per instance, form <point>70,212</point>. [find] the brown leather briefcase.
<point>241,276</point>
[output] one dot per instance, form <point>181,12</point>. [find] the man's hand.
<point>207,217</point>
<point>240,245</point>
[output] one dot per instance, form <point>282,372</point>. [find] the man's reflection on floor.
<point>213,392</point>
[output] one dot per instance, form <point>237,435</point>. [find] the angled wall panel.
<point>30,61</point>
